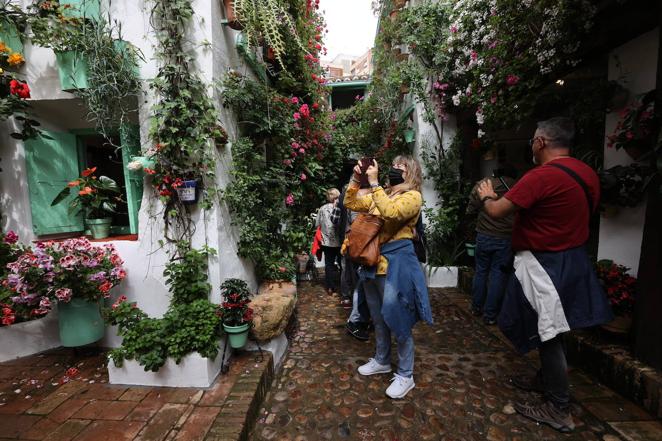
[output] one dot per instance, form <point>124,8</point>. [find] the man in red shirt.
<point>553,288</point>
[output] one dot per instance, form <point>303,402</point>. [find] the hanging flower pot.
<point>80,322</point>
<point>471,249</point>
<point>230,15</point>
<point>410,135</point>
<point>399,3</point>
<point>188,193</point>
<point>237,335</point>
<point>100,228</point>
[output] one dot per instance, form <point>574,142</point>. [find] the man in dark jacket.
<point>493,249</point>
<point>553,288</point>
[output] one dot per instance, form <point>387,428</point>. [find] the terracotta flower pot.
<point>399,3</point>
<point>231,16</point>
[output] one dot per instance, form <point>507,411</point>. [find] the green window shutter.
<point>130,140</point>
<point>51,164</point>
<point>10,36</point>
<point>89,9</point>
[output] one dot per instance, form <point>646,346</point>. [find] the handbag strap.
<point>580,181</point>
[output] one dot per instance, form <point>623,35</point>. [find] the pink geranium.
<point>511,80</point>
<point>60,271</point>
<point>289,200</point>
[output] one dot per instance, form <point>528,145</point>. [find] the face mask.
<point>395,176</point>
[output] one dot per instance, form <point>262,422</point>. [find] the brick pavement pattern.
<point>39,402</point>
<point>461,390</point>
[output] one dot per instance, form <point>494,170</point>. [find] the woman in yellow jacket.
<point>395,289</point>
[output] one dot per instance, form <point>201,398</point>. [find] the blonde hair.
<point>332,194</point>
<point>414,176</point>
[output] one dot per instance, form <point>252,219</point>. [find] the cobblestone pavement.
<point>42,397</point>
<point>461,393</point>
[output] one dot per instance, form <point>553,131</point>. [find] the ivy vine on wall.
<point>184,120</point>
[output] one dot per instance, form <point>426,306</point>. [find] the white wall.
<point>633,65</point>
<point>426,135</point>
<point>144,259</point>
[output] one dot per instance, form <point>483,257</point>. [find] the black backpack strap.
<point>580,181</point>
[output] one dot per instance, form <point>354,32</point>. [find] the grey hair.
<point>560,130</point>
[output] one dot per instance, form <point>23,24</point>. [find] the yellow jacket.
<point>400,213</point>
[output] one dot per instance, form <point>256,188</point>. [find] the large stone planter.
<point>27,338</point>
<point>272,308</point>
<point>441,276</point>
<point>193,371</point>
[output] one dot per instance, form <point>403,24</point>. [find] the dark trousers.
<point>348,278</point>
<point>492,254</point>
<point>554,371</point>
<point>330,269</point>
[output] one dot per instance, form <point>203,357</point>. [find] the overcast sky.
<point>351,25</point>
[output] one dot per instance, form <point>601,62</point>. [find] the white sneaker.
<point>400,386</point>
<point>372,368</point>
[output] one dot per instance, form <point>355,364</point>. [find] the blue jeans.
<point>492,253</point>
<point>374,295</point>
<point>360,312</point>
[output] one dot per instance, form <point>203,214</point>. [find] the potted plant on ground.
<point>74,274</point>
<point>620,289</point>
<point>237,316</point>
<point>96,198</point>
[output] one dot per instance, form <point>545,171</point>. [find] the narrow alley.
<point>461,391</point>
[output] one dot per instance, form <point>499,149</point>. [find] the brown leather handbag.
<point>363,239</point>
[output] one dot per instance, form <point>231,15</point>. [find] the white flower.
<point>456,99</point>
<point>480,118</point>
<point>134,165</point>
<point>480,133</point>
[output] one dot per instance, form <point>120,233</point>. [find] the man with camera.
<point>493,248</point>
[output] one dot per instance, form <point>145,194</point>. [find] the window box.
<point>72,69</point>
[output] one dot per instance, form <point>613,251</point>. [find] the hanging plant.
<point>638,127</point>
<point>266,21</point>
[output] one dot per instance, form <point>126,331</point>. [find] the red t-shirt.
<point>554,213</point>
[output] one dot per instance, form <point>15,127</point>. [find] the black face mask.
<point>395,176</point>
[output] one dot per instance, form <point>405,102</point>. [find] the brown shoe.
<point>547,413</point>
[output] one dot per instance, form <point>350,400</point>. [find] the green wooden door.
<point>89,9</point>
<point>51,164</point>
<point>10,36</point>
<point>130,140</point>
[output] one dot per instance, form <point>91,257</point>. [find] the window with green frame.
<point>57,158</point>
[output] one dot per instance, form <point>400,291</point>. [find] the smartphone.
<point>365,163</point>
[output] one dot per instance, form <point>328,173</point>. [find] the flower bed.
<point>193,370</point>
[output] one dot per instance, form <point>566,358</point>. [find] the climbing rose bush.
<point>59,271</point>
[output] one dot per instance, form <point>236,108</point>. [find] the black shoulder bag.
<point>580,181</point>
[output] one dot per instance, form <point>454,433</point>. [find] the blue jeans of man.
<point>493,255</point>
<point>374,295</point>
